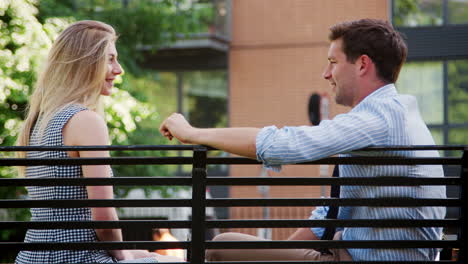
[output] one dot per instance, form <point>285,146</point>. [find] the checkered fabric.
<point>52,136</point>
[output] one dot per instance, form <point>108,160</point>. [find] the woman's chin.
<point>106,91</point>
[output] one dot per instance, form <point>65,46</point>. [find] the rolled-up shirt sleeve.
<point>346,132</point>
<point>319,213</point>
<point>263,143</point>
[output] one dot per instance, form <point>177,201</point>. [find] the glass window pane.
<point>425,81</point>
<point>163,93</point>
<point>413,13</point>
<point>458,91</point>
<point>438,135</point>
<point>222,17</point>
<point>457,136</point>
<point>205,102</point>
<point>205,98</point>
<point>458,11</point>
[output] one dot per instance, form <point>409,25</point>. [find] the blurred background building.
<point>234,63</point>
<point>264,67</point>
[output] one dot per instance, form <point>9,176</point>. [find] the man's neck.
<point>367,88</point>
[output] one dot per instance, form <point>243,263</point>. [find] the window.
<point>457,11</point>
<point>458,102</point>
<point>442,102</point>
<point>437,69</point>
<point>202,97</point>
<point>425,81</point>
<point>205,98</point>
<point>458,91</point>
<point>417,13</point>
<point>413,13</point>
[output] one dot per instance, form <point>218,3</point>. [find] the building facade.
<point>277,55</point>
<point>266,61</point>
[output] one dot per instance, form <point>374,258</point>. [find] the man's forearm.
<point>240,141</point>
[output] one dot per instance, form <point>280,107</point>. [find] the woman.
<point>65,110</point>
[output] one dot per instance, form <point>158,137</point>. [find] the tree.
<point>24,42</point>
<point>27,30</point>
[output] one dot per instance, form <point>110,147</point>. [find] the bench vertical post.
<point>198,205</point>
<point>463,212</point>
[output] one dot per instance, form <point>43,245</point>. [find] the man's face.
<point>341,74</point>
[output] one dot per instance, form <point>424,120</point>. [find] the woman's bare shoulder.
<point>86,128</point>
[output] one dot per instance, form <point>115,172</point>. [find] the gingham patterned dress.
<point>52,136</point>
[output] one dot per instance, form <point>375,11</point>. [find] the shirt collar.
<point>385,91</point>
<point>388,90</point>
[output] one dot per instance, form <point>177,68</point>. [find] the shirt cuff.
<point>262,145</point>
<point>319,213</point>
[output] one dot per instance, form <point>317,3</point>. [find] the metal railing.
<point>199,181</point>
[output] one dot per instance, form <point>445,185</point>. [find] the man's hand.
<point>177,126</point>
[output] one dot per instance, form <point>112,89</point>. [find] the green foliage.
<point>206,90</point>
<point>429,12</point>
<point>457,103</point>
<point>23,44</point>
<point>417,12</point>
<point>142,24</point>
<point>142,120</point>
<point>27,30</point>
<point>457,12</point>
<point>402,9</point>
<point>133,117</point>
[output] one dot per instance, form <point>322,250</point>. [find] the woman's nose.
<point>117,69</point>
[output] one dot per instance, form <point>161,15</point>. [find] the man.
<point>364,60</point>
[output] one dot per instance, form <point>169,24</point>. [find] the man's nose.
<point>326,74</point>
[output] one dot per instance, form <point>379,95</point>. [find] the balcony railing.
<point>199,181</point>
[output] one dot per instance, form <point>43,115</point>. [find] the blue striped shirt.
<point>382,118</point>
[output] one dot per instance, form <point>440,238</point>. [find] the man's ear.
<point>364,63</point>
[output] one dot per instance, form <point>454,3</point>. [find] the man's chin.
<point>339,100</point>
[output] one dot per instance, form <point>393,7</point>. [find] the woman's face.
<point>113,69</point>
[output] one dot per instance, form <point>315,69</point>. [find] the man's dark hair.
<point>376,39</point>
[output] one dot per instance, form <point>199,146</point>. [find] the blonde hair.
<point>75,71</point>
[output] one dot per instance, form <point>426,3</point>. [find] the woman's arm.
<point>88,128</point>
